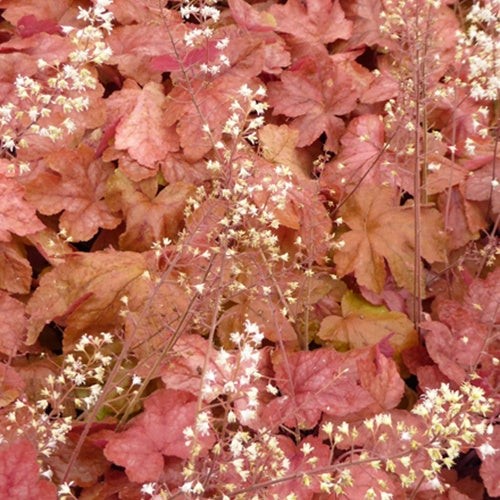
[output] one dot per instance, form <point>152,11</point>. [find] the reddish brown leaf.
<point>11,385</point>
<point>16,214</point>
<point>315,92</point>
<point>360,155</point>
<point>483,298</point>
<point>89,466</point>
<point>12,324</point>
<point>205,54</point>
<point>155,433</point>
<point>15,269</point>
<point>458,228</point>
<point>267,315</point>
<point>482,185</point>
<point>19,472</point>
<point>75,182</point>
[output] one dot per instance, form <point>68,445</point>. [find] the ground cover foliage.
<point>248,249</point>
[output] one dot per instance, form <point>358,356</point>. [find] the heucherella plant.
<point>247,249</point>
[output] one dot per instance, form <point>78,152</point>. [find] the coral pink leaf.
<point>204,54</point>
<point>320,381</point>
<point>155,433</point>
<point>165,62</point>
<point>490,454</point>
<point>29,25</point>
<point>382,380</point>
<point>19,473</point>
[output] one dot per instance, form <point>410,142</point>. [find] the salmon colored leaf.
<point>135,44</point>
<point>315,92</point>
<point>41,9</point>
<point>383,231</point>
<point>19,473</point>
<point>314,23</point>
<point>214,103</point>
<point>99,277</point>
<point>86,294</point>
<point>360,155</point>
<point>363,324</point>
<point>143,132</point>
<point>248,17</point>
<point>156,433</point>
<point>365,15</point>
<point>16,214</point>
<point>279,146</point>
<point>75,182</point>
<point>148,219</point>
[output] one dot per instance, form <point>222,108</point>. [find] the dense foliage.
<point>248,249</point>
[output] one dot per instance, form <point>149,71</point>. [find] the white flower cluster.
<point>480,46</point>
<point>58,86</point>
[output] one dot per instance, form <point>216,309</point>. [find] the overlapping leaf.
<point>19,473</point>
<point>381,231</point>
<point>156,433</point>
<point>16,214</point>
<point>74,182</point>
<point>330,382</point>
<point>149,219</point>
<point>314,23</point>
<point>315,92</point>
<point>363,324</point>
